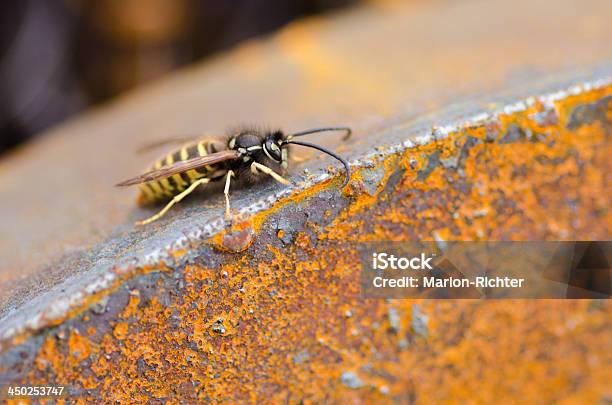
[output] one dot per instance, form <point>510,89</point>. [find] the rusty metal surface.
<point>270,309</point>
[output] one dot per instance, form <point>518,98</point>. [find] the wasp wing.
<point>177,140</point>
<point>182,166</point>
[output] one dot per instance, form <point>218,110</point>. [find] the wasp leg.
<point>265,169</point>
<point>228,178</point>
<point>174,200</point>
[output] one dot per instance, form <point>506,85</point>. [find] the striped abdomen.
<point>164,189</point>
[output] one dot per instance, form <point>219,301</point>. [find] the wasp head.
<point>265,148</point>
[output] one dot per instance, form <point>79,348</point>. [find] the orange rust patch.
<point>121,330</point>
<point>132,306</point>
<point>79,347</point>
<point>235,240</point>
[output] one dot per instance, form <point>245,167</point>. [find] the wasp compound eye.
<point>272,149</point>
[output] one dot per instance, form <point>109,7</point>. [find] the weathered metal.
<point>269,310</point>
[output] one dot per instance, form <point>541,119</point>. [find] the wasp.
<point>248,156</point>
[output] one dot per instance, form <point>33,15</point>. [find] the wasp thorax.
<point>247,141</point>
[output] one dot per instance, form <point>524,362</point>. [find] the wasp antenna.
<point>330,153</point>
<point>315,130</point>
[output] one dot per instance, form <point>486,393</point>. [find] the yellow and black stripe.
<point>164,189</point>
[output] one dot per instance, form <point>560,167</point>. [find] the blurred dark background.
<point>59,56</point>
